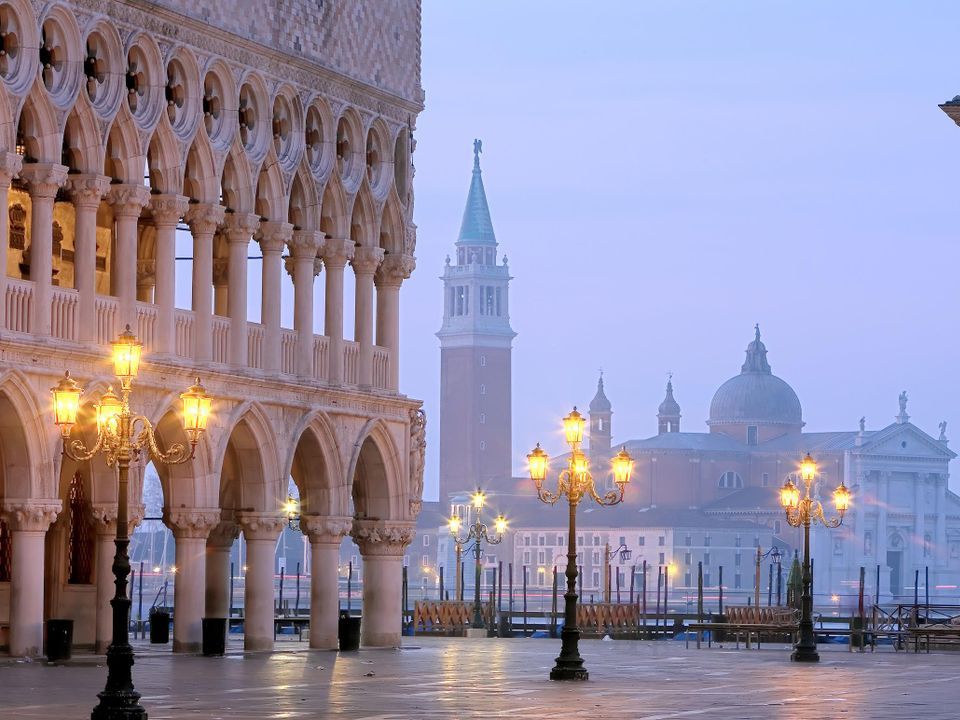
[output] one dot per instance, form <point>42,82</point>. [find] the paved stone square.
<point>458,678</point>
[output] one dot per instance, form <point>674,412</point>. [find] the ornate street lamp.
<point>121,437</point>
<point>625,554</point>
<point>575,482</point>
<point>803,511</point>
<point>478,533</point>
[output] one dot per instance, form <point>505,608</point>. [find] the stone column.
<point>127,202</point>
<point>221,275</point>
<point>240,228</point>
<point>325,534</point>
<point>219,544</point>
<point>335,254</point>
<point>146,280</point>
<point>86,191</point>
<point>303,249</point>
<point>940,527</point>
<point>43,180</point>
<point>203,219</point>
<point>105,524</point>
<point>167,211</point>
<point>260,530</point>
<point>920,518</point>
<point>28,521</point>
<point>10,164</point>
<point>382,544</point>
<point>272,236</point>
<point>390,275</point>
<point>365,262</point>
<point>190,530</point>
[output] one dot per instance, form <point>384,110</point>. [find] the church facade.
<point>712,497</point>
<point>227,144</point>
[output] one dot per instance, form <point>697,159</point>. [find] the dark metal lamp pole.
<point>121,437</point>
<point>575,482</point>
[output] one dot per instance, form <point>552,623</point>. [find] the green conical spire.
<point>476,226</point>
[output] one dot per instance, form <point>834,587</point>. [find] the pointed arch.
<point>236,190</point>
<point>201,181</point>
<point>375,471</point>
<point>190,484</point>
<point>391,225</point>
<point>25,465</point>
<point>124,160</point>
<point>82,148</point>
<point>364,225</point>
<point>38,127</point>
<point>304,212</point>
<point>163,161</point>
<point>315,465</point>
<point>247,463</point>
<point>334,218</point>
<point>271,198</point>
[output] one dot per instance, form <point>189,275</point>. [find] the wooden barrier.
<point>448,617</point>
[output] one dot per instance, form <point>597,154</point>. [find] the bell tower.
<point>475,353</point>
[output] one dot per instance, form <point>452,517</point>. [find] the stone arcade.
<point>122,129</point>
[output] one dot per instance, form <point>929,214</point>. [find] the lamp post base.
<point>569,672</point>
<point>805,654</point>
<point>119,705</point>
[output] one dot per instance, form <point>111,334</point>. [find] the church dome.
<point>756,396</point>
<point>600,403</point>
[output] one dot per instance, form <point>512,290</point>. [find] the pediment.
<point>906,440</point>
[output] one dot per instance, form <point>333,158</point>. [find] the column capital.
<point>86,191</point>
<point>44,179</point>
<point>128,200</point>
<point>204,217</point>
<point>104,518</point>
<point>30,515</point>
<point>325,529</point>
<point>260,525</point>
<point>224,533</point>
<point>146,271</point>
<point>304,244</point>
<point>240,227</point>
<point>10,164</point>
<point>192,522</point>
<point>336,252</point>
<point>383,537</point>
<point>168,209</point>
<point>366,260</point>
<point>273,236</point>
<point>394,270</point>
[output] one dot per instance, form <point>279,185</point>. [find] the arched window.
<point>730,479</point>
<point>6,551</point>
<point>81,540</point>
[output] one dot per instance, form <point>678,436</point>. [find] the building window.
<point>483,389</point>
<point>756,541</point>
<point>596,540</point>
<point>706,541</point>
<point>736,541</point>
<point>641,541</point>
<point>483,444</point>
<point>706,579</point>
<point>596,579</point>
<point>736,581</point>
<point>766,479</point>
<point>596,557</point>
<point>526,557</point>
<point>751,434</point>
<point>579,539</point>
<point>686,559</point>
<point>526,540</point>
<point>686,579</point>
<point>736,560</point>
<point>498,302</point>
<point>483,361</point>
<point>541,557</point>
<point>426,541</point>
<point>661,541</point>
<point>688,541</point>
<point>777,526</point>
<point>623,539</point>
<point>425,563</point>
<point>661,559</point>
<point>730,479</point>
<point>541,540</point>
<point>706,558</point>
<point>483,418</point>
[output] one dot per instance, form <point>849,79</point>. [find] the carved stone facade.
<point>211,126</point>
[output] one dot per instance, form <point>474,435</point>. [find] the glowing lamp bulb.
<point>108,408</point>
<point>500,524</point>
<point>196,409</point>
<point>622,467</point>
<point>454,525</point>
<point>841,498</point>
<point>538,460</point>
<point>573,427</point>
<point>126,356</point>
<point>789,495</point>
<point>808,468</point>
<point>478,499</point>
<point>66,403</point>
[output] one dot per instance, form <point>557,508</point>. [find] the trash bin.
<point>214,636</point>
<point>349,632</point>
<point>59,639</point>
<point>857,639</point>
<point>159,627</point>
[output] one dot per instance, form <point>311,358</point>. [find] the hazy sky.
<point>663,175</point>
